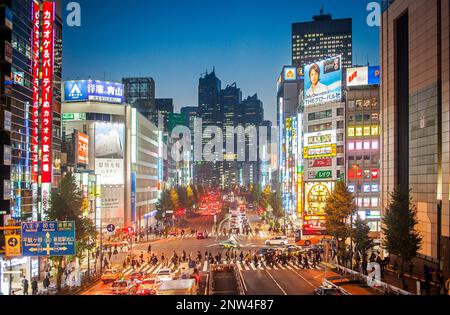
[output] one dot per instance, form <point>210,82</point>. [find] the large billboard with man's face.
<point>323,82</point>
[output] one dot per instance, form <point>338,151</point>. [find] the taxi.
<point>110,275</point>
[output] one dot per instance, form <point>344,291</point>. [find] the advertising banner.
<point>48,238</point>
<point>82,149</point>
<point>113,204</point>
<point>290,74</point>
<point>314,214</point>
<point>8,18</point>
<point>133,197</point>
<point>320,175</point>
<point>8,52</point>
<point>109,141</point>
<point>320,138</point>
<point>363,76</point>
<point>18,78</point>
<point>320,152</point>
<point>90,90</point>
<point>320,163</point>
<point>323,82</point>
<point>111,171</point>
<point>48,19</point>
<point>35,108</point>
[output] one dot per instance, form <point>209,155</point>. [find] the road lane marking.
<point>282,267</point>
<point>275,267</point>
<point>252,266</point>
<point>239,266</point>
<point>312,285</point>
<point>279,286</point>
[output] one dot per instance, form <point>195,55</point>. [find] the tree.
<point>256,193</point>
<point>66,205</point>
<point>360,236</point>
<point>339,207</point>
<point>265,197</point>
<point>398,225</point>
<point>183,200</point>
<point>164,204</point>
<point>175,199</point>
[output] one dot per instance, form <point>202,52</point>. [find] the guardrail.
<point>380,286</point>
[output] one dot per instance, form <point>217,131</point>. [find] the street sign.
<point>13,246</point>
<point>111,228</point>
<point>48,239</point>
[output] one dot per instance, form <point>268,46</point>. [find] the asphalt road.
<point>279,280</point>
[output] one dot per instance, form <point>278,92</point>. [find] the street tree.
<point>399,229</point>
<point>163,205</point>
<point>265,198</point>
<point>340,206</point>
<point>66,205</point>
<point>175,199</point>
<point>183,201</point>
<point>361,238</point>
<point>276,202</point>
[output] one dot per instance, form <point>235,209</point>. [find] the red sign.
<point>321,163</point>
<point>35,108</point>
<point>314,225</point>
<point>375,173</point>
<point>352,174</point>
<point>48,19</point>
<point>82,148</point>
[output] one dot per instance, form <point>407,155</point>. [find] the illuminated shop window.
<point>375,130</point>
<point>366,145</point>
<point>367,188</point>
<point>375,188</point>
<point>374,202</point>
<point>366,131</point>
<point>359,131</point>
<point>351,146</point>
<point>375,145</point>
<point>358,146</point>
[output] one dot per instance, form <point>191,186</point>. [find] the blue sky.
<point>175,41</point>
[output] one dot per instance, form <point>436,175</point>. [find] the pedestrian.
<point>25,285</point>
<point>149,249</point>
<point>115,253</point>
<point>105,264</point>
<point>46,283</point>
<point>34,287</point>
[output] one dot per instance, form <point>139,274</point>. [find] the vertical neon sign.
<point>47,91</point>
<point>48,19</point>
<point>35,107</point>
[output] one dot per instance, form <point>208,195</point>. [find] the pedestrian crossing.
<point>261,234</point>
<point>206,267</point>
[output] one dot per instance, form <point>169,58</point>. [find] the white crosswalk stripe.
<point>281,267</point>
<point>205,266</point>
<point>239,266</point>
<point>252,266</point>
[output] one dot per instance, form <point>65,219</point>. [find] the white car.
<point>165,274</point>
<point>278,240</point>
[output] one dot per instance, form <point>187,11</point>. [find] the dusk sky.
<point>248,42</point>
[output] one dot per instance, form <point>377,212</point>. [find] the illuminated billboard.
<point>317,152</point>
<point>362,76</point>
<point>320,138</point>
<point>290,74</point>
<point>82,149</point>
<point>110,152</point>
<point>323,82</point>
<point>97,91</point>
<point>317,195</point>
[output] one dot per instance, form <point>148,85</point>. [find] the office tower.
<point>321,38</point>
<point>190,113</point>
<point>208,173</point>
<point>164,107</point>
<point>231,101</point>
<point>415,108</point>
<point>140,93</point>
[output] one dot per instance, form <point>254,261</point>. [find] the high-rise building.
<point>164,107</point>
<point>321,38</point>
<point>18,51</point>
<point>363,143</point>
<point>415,107</point>
<point>190,113</point>
<point>208,172</point>
<point>140,93</point>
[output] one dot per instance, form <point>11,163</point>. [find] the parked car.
<point>123,287</point>
<point>278,240</point>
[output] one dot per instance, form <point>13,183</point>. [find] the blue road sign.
<point>48,239</point>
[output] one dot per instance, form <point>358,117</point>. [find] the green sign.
<point>324,174</point>
<point>74,117</point>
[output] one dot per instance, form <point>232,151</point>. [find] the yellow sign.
<point>13,246</point>
<point>320,152</point>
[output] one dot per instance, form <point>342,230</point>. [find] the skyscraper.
<point>190,113</point>
<point>164,107</point>
<point>207,173</point>
<point>415,108</point>
<point>323,37</point>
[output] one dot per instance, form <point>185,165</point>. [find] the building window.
<point>340,112</point>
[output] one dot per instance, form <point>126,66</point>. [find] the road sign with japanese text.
<point>48,238</point>
<point>12,247</point>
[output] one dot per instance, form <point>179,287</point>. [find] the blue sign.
<point>375,75</point>
<point>133,196</point>
<point>96,91</point>
<point>48,239</point>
